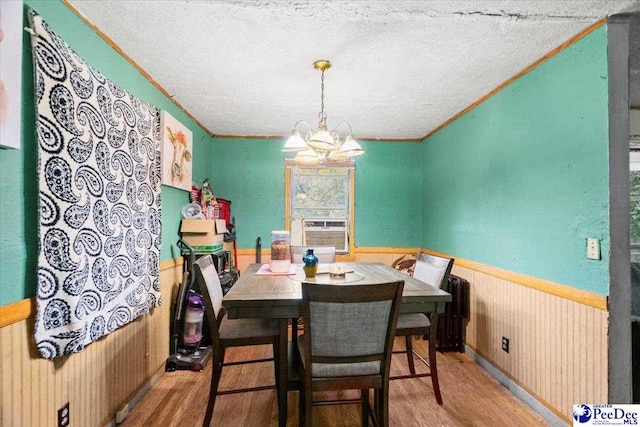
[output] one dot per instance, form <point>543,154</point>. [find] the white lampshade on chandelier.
<point>322,145</point>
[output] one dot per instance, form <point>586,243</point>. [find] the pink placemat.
<point>265,271</point>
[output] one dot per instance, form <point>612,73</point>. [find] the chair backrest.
<point>325,254</point>
<point>208,283</point>
<point>349,329</point>
<point>433,269</point>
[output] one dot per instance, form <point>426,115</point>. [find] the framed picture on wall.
<point>10,72</point>
<point>177,146</point>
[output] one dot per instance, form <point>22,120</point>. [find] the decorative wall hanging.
<point>10,72</point>
<point>177,143</point>
<point>99,180</point>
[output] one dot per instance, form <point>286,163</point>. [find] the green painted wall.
<point>18,176</point>
<point>250,173</point>
<point>521,181</point>
<point>389,205</point>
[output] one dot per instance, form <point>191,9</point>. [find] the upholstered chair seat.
<point>247,328</point>
<point>413,320</point>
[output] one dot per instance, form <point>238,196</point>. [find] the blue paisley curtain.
<point>99,182</point>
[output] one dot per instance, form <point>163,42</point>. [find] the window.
<point>319,205</point>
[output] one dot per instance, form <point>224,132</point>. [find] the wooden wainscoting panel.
<point>558,347</point>
<point>247,257</point>
<point>96,382</point>
<point>385,257</point>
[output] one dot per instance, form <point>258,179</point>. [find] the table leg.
<point>293,370</point>
<point>294,340</point>
<point>282,374</point>
<point>293,322</point>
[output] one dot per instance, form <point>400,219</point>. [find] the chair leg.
<point>433,365</point>
<point>383,406</point>
<point>409,347</point>
<point>281,372</point>
<point>364,395</point>
<point>308,405</point>
<point>276,365</point>
<point>301,405</point>
<point>376,407</point>
<point>216,371</point>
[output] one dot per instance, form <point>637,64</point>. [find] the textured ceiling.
<point>400,68</point>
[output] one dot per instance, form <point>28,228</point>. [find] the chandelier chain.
<point>322,96</point>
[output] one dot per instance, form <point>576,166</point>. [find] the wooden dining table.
<point>266,295</point>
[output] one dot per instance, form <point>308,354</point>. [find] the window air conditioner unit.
<point>326,232</point>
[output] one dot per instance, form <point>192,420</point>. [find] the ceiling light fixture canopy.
<point>322,145</point>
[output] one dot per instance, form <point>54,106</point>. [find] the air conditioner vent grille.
<point>326,233</point>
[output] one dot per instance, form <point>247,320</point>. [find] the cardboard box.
<point>204,235</point>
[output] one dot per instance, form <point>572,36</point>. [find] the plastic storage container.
<point>280,252</point>
<point>193,319</point>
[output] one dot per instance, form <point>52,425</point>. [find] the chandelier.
<point>322,145</point>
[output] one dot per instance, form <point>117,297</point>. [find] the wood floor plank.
<point>471,398</point>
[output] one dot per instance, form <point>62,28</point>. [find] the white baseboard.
<point>514,388</point>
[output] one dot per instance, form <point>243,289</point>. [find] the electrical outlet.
<point>63,415</point>
<point>593,248</point>
<point>505,344</point>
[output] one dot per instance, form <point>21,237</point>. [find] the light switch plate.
<point>593,248</point>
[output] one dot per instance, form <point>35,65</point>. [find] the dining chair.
<point>434,270</point>
<point>347,344</point>
<point>325,254</point>
<point>226,333</point>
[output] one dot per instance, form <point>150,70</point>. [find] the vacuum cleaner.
<point>187,353</point>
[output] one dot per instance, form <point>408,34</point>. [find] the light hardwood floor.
<point>471,398</point>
